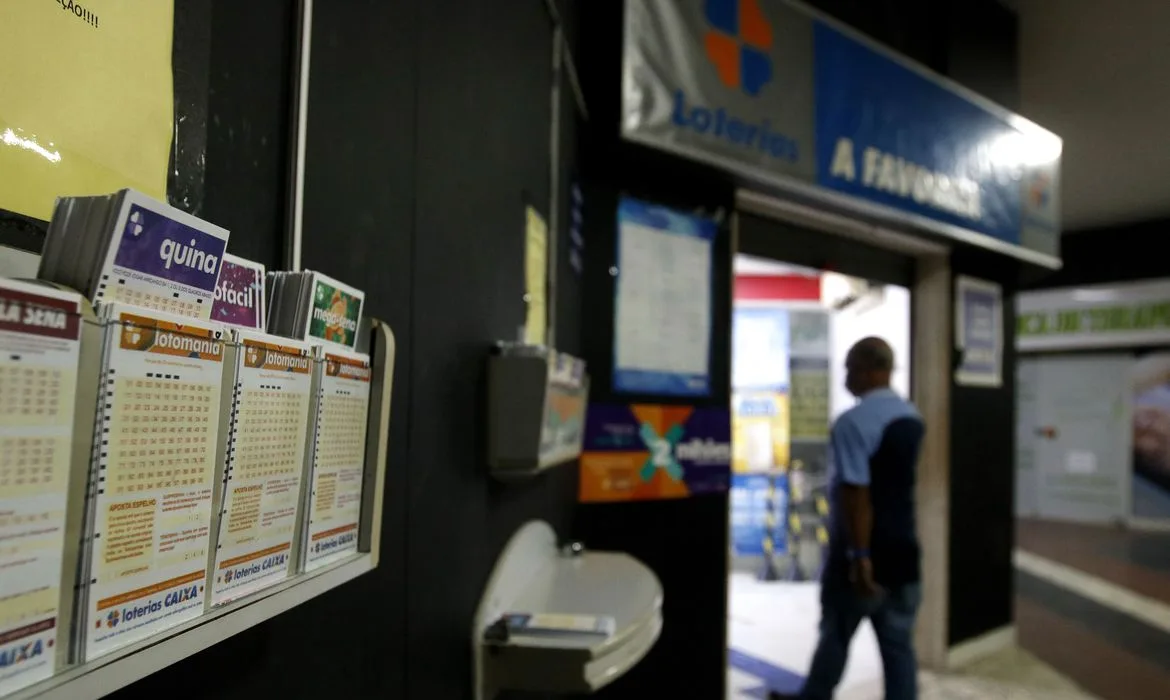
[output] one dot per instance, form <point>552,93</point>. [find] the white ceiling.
<point>1098,74</point>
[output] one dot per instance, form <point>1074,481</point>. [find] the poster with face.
<point>1151,436</point>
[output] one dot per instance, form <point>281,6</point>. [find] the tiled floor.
<point>1138,561</point>
<point>772,633</point>
<point>1094,603</point>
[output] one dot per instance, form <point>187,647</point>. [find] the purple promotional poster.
<point>239,296</point>
<point>635,452</point>
<point>157,246</point>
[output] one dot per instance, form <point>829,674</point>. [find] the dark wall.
<point>1108,254</point>
<point>428,132</point>
<point>983,432</point>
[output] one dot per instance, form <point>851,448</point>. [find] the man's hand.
<point>861,575</point>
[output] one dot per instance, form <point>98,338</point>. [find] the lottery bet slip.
<point>258,523</point>
<point>339,448</point>
<point>153,476</point>
<point>40,442</point>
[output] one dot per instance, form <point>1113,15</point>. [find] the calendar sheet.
<point>40,330</point>
<point>152,509</point>
<point>163,259</point>
<point>265,460</point>
<point>335,499</point>
<point>662,316</point>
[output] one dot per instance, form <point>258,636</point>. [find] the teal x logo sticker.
<point>661,452</point>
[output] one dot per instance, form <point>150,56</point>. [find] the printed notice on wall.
<point>88,99</point>
<point>39,344</point>
<point>265,458</point>
<point>339,457</point>
<point>162,384</point>
<point>535,277</point>
<point>978,332</point>
<point>662,319</point>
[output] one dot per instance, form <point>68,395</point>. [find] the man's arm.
<point>858,516</point>
<point>851,455</point>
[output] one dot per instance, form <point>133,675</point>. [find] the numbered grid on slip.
<point>270,432</point>
<point>32,394</point>
<point>170,303</point>
<point>31,465</point>
<point>161,435</point>
<point>341,439</point>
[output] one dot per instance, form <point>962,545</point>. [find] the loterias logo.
<point>738,44</point>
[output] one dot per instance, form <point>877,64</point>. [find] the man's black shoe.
<point>775,695</point>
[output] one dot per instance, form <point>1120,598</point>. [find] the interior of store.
<point>792,327</point>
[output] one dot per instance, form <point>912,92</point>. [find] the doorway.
<point>806,288</point>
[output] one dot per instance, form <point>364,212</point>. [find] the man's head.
<point>868,366</point>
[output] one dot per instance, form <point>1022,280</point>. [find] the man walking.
<point>873,568</point>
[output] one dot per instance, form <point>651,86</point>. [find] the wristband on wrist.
<point>855,554</point>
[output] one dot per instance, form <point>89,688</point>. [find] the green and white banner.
<point>1102,316</point>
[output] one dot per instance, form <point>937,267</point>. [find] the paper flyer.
<point>335,312</point>
<point>88,99</point>
<point>978,332</point>
<point>152,512</point>
<point>662,304</point>
<point>162,259</point>
<point>535,277</point>
<point>335,498</point>
<point>265,460</point>
<point>239,295</point>
<point>40,331</point>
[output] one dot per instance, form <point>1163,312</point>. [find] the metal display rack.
<point>120,668</point>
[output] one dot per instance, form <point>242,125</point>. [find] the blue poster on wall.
<point>890,134</point>
<point>752,495</point>
<point>662,305</point>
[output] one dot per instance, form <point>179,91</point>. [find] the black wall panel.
<point>483,151</point>
<point>983,432</point>
<point>684,542</point>
<point>429,131</point>
<point>1121,253</point>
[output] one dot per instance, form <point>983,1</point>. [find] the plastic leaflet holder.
<point>257,528</point>
<point>333,501</point>
<point>152,480</point>
<point>536,413</point>
<point>47,394</point>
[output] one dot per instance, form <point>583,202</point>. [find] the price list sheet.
<point>40,331</point>
<point>152,507</point>
<point>338,458</point>
<point>662,316</point>
<point>265,460</point>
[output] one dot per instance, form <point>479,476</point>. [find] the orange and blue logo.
<point>738,43</point>
<point>1040,191</point>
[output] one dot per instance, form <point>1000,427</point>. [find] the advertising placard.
<point>774,91</point>
<point>638,452</point>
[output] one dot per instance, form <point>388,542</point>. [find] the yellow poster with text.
<point>760,436</point>
<point>86,99</point>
